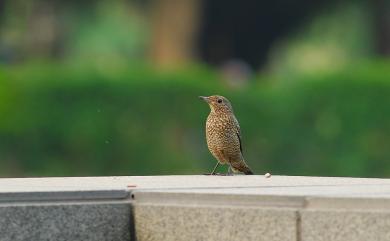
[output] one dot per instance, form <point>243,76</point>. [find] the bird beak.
<point>204,98</point>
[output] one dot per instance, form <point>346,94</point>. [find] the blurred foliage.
<point>73,31</point>
<point>58,120</point>
<point>116,31</point>
<point>331,40</point>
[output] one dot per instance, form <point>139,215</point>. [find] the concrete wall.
<point>195,208</point>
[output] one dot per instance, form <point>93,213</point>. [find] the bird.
<point>223,135</point>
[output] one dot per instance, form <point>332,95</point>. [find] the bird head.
<point>217,103</point>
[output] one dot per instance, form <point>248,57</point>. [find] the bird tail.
<point>248,172</point>
<point>241,166</point>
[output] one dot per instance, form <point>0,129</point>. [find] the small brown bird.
<point>223,135</point>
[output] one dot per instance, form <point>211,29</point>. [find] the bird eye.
<point>219,100</point>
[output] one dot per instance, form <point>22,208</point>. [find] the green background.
<point>65,121</point>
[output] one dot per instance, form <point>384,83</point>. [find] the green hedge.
<point>63,121</point>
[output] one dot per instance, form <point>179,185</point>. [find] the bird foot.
<point>214,174</point>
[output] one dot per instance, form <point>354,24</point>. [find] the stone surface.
<point>256,208</point>
<point>117,187</point>
<point>66,221</point>
<point>195,208</point>
<point>189,222</point>
<point>341,225</point>
<point>64,209</point>
<point>69,188</point>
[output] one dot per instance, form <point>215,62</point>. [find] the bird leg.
<point>229,172</point>
<point>213,172</point>
<point>215,168</point>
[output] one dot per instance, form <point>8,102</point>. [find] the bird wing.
<point>239,139</point>
<point>238,133</point>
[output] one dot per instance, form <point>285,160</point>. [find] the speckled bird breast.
<point>221,134</point>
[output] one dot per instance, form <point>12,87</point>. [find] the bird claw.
<point>214,174</point>
<point>226,174</point>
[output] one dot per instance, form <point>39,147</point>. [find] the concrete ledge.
<point>191,222</point>
<point>65,221</point>
<point>64,209</point>
<point>195,208</point>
